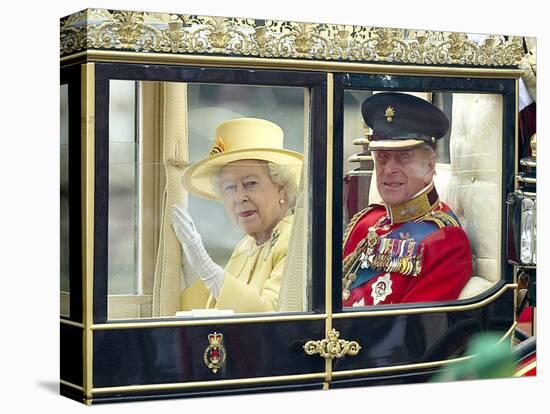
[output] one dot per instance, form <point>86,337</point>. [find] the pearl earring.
<point>281,201</point>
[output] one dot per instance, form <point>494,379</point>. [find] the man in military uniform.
<point>411,248</point>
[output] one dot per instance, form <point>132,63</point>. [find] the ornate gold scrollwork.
<point>332,347</point>
<point>157,32</point>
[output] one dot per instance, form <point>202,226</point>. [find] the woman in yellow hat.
<point>257,180</point>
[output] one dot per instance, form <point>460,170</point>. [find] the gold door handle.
<point>332,347</point>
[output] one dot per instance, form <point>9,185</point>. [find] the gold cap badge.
<point>390,113</point>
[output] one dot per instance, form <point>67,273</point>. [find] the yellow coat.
<point>252,279</point>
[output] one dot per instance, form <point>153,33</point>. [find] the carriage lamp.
<point>528,231</point>
<point>522,229</point>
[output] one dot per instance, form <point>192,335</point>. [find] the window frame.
<point>421,83</point>
<point>316,82</point>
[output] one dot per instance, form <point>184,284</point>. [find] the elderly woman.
<point>257,180</point>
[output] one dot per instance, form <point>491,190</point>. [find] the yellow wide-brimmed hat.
<point>235,140</point>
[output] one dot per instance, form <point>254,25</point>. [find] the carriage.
<point>141,94</point>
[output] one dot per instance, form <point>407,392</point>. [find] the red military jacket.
<point>416,252</point>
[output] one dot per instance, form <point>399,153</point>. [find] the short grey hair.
<point>427,154</point>
<point>428,150</point>
<point>280,175</point>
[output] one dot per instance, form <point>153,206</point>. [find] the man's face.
<point>402,174</point>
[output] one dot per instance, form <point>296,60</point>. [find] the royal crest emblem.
<point>381,289</point>
<point>215,354</point>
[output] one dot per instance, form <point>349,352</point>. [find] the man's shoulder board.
<point>442,219</point>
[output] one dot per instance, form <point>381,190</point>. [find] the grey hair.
<point>284,177</point>
<point>427,152</point>
<point>280,175</point>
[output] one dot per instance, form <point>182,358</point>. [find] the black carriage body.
<point>105,360</point>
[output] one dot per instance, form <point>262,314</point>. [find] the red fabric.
<point>351,199</point>
<point>527,368</point>
<point>446,266</point>
<point>361,228</point>
<point>526,315</point>
<point>527,125</point>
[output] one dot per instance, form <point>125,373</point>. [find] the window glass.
<point>207,213</point>
<point>431,234</point>
<point>64,200</point>
<point>122,189</point>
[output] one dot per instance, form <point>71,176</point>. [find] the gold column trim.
<point>135,32</point>
<point>87,194</point>
<point>298,64</point>
<point>332,347</point>
<point>207,384</point>
<point>147,323</point>
<point>414,311</point>
<point>328,218</point>
<point>155,323</point>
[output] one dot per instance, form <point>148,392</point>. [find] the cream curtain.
<point>174,135</point>
<point>296,282</point>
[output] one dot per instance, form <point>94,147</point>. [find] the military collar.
<point>416,207</point>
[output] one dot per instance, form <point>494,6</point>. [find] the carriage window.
<point>422,196</point>
<point>122,189</point>
<point>208,200</point>
<point>64,200</point>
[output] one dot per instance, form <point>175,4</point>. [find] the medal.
<point>381,289</point>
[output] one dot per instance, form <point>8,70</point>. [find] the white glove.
<point>211,274</point>
<point>188,274</point>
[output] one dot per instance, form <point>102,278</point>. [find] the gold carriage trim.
<point>332,347</point>
<point>131,31</point>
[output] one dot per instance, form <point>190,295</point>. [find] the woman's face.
<point>251,198</point>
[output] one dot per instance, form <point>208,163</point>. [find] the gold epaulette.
<point>441,219</point>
